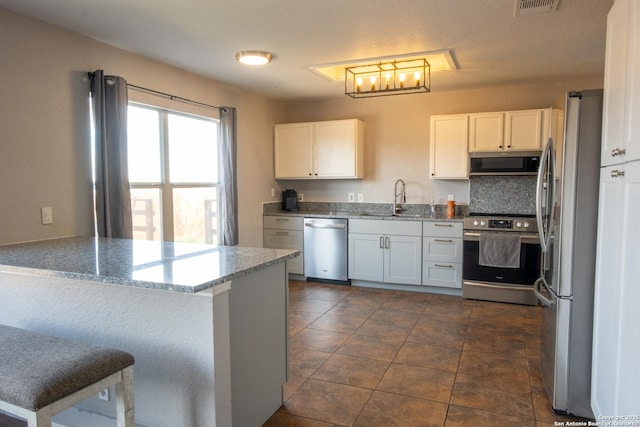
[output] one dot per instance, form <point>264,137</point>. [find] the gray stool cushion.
<point>36,369</point>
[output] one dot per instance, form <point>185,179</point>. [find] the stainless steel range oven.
<point>510,281</point>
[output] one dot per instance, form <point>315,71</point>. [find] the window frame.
<point>165,186</point>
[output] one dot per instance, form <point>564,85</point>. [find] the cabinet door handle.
<point>443,225</point>
<point>444,265</point>
<point>618,152</point>
<point>387,242</point>
<point>381,242</point>
<point>617,173</point>
<point>443,240</point>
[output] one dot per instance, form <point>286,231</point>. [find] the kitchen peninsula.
<point>207,325</point>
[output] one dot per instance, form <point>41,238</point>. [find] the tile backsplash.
<point>503,194</point>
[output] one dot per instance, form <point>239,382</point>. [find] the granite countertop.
<point>365,215</point>
<point>178,267</point>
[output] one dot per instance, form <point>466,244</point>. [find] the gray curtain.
<point>111,191</point>
<point>229,176</point>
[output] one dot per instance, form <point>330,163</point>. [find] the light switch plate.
<point>361,197</point>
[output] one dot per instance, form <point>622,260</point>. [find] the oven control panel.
<point>527,225</point>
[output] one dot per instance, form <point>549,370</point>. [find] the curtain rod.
<point>168,95</point>
<point>174,97</point>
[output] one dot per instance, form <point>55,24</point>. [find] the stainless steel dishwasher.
<point>325,249</point>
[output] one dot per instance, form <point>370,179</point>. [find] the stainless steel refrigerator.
<point>567,215</point>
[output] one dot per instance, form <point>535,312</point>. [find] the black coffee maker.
<point>290,200</point>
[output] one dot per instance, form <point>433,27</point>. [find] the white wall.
<point>397,136</point>
<point>44,142</point>
<point>44,146</point>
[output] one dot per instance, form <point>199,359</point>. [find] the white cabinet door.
<point>448,156</point>
<point>486,131</point>
<point>338,149</point>
<point>366,257</point>
<point>523,130</point>
<point>403,259</point>
<point>615,387</point>
<point>293,150</point>
<point>621,128</point>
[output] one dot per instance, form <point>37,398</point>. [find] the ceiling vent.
<point>531,7</point>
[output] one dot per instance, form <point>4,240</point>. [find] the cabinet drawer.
<point>283,222</point>
<point>378,226</point>
<point>283,239</point>
<point>442,274</point>
<point>442,249</point>
<point>442,229</point>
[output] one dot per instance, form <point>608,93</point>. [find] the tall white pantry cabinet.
<point>615,388</point>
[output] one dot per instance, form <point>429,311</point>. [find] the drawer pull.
<point>282,219</point>
<point>443,240</point>
<point>443,225</point>
<point>444,266</point>
<point>282,233</point>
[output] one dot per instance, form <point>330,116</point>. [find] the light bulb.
<point>373,82</point>
<point>402,80</point>
<point>417,77</point>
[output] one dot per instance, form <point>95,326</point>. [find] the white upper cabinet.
<point>293,147</point>
<point>523,130</point>
<point>620,126</point>
<point>486,131</point>
<point>319,150</point>
<point>508,130</point>
<point>448,156</point>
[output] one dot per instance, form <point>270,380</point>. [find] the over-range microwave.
<point>504,163</point>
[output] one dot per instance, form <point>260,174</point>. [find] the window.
<point>173,174</point>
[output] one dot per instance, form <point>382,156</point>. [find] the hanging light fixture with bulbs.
<point>388,78</point>
<point>253,57</point>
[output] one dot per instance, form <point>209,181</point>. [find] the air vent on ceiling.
<point>530,7</point>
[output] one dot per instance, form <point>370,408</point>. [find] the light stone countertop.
<point>178,267</point>
<point>365,215</point>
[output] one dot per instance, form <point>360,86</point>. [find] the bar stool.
<point>42,375</point>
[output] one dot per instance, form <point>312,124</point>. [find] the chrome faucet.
<point>396,208</point>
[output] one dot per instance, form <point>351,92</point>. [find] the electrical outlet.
<point>352,197</point>
<point>361,197</point>
<point>104,394</point>
<point>47,215</point>
<point>300,197</point>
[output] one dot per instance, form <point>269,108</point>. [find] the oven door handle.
<point>469,236</point>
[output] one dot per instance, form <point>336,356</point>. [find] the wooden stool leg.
<point>124,399</point>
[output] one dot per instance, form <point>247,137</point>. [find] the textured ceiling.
<point>490,46</point>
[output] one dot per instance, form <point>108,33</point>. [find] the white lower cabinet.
<point>615,378</point>
<point>285,232</point>
<point>442,254</point>
<point>385,251</point>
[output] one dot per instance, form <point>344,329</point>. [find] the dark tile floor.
<point>367,357</point>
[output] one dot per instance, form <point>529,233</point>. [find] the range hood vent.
<point>531,7</point>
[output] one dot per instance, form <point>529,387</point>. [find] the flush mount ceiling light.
<point>253,57</point>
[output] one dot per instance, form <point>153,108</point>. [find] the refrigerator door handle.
<point>544,214</point>
<point>540,293</point>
